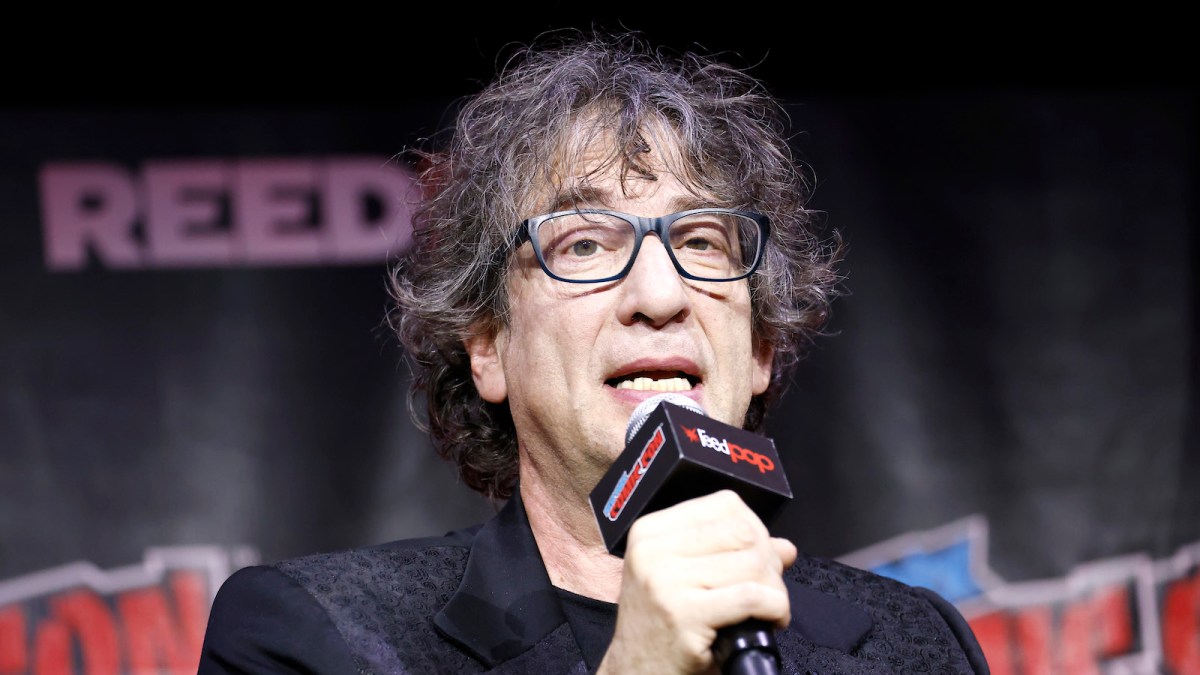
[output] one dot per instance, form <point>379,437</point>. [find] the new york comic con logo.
<point>735,452</point>
<point>630,479</point>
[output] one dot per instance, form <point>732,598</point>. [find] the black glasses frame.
<point>642,225</point>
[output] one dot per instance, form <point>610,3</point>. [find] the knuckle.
<point>764,601</point>
<point>750,561</point>
<point>730,501</point>
<point>750,598</point>
<point>643,526</point>
<point>697,652</point>
<point>729,497</point>
<point>742,532</point>
<point>656,585</point>
<point>639,563</point>
<point>741,535</point>
<point>638,528</point>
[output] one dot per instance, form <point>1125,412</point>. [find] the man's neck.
<point>568,538</point>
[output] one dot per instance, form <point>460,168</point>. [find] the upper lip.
<point>674,364</point>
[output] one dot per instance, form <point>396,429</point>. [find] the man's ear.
<point>764,361</point>
<point>487,367</point>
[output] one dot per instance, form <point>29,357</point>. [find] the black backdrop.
<point>1018,340</point>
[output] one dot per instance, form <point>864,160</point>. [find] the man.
<point>608,222</point>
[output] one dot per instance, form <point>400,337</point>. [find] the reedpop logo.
<point>735,452</point>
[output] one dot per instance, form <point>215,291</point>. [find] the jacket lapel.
<point>505,604</point>
<point>826,620</point>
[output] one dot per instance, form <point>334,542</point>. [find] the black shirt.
<point>592,621</point>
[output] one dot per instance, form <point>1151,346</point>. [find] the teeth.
<point>647,384</point>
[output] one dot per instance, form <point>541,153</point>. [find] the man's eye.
<point>584,248</point>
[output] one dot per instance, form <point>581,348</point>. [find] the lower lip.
<point>636,396</point>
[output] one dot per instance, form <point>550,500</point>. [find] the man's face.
<point>571,358</point>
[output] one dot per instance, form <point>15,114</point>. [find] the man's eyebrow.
<point>584,196</point>
<point>579,196</point>
<point>686,202</point>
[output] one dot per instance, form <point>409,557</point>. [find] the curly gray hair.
<point>510,143</point>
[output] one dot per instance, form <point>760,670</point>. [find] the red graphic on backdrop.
<point>147,618</point>
<point>1130,614</point>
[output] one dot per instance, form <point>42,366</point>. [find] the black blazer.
<point>479,600</point>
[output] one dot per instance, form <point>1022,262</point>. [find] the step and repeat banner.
<point>196,371</point>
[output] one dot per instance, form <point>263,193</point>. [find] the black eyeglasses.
<point>596,245</point>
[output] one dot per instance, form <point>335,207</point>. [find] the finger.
<point>734,604</point>
<point>699,531</point>
<point>786,551</point>
<point>695,512</point>
<point>717,536</point>
<point>757,565</point>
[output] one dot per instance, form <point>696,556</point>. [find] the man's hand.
<point>690,569</point>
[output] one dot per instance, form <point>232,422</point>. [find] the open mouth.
<point>656,380</point>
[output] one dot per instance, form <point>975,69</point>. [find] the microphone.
<point>675,452</point>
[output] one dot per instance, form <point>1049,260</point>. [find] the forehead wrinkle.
<point>584,195</point>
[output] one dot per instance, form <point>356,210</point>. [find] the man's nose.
<point>653,291</point>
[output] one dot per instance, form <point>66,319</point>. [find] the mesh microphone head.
<point>640,413</point>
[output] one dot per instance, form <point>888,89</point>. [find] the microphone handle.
<point>747,648</point>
